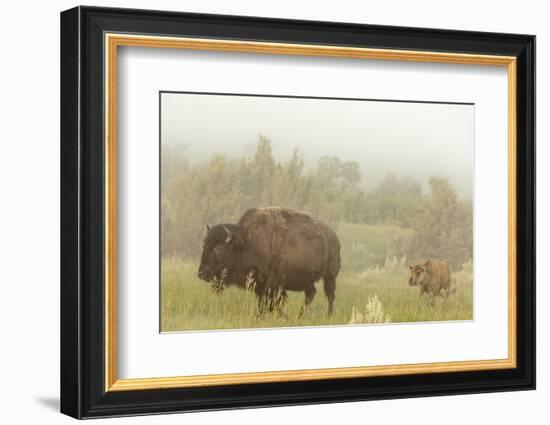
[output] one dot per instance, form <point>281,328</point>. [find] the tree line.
<point>222,189</point>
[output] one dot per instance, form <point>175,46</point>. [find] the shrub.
<point>373,313</point>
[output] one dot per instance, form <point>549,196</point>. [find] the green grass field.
<point>188,303</point>
<point>369,245</point>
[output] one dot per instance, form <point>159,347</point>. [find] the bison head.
<point>221,252</point>
<point>417,275</point>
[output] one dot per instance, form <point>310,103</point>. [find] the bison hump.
<point>263,218</point>
<point>267,228</point>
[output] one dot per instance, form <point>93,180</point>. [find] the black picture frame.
<point>83,392</point>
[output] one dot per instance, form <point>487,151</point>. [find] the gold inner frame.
<point>113,41</point>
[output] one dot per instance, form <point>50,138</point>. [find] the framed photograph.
<point>261,212</point>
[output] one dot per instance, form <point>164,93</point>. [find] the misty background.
<point>414,139</point>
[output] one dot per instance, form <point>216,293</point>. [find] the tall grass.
<point>188,303</point>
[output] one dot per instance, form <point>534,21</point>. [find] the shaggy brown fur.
<point>433,277</point>
<point>281,248</point>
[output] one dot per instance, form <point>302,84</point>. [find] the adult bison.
<point>279,248</point>
<point>433,277</point>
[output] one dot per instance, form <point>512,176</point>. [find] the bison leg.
<point>273,280</point>
<point>261,295</point>
<point>276,299</point>
<point>275,291</point>
<point>424,291</point>
<point>330,291</point>
<point>271,300</point>
<point>261,304</point>
<point>281,303</point>
<point>433,294</point>
<point>310,292</point>
<point>266,301</point>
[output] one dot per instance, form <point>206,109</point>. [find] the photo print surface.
<point>283,211</point>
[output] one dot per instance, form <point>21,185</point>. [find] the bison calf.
<point>433,277</point>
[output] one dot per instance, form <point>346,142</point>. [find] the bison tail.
<point>329,285</point>
<point>334,264</point>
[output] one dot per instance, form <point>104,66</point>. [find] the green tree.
<point>220,190</point>
<point>261,171</point>
<point>395,201</point>
<point>444,226</point>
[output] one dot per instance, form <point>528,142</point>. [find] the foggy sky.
<point>415,139</point>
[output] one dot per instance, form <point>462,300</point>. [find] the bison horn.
<point>229,235</point>
<point>207,227</point>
